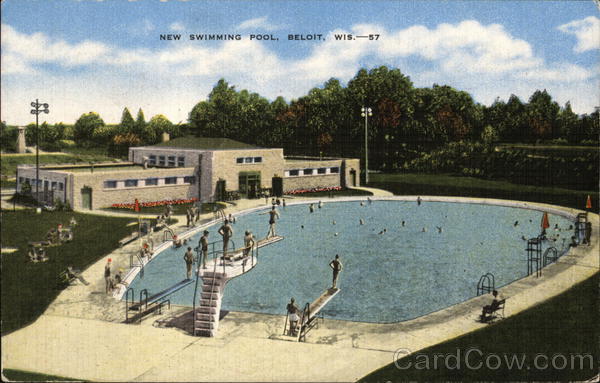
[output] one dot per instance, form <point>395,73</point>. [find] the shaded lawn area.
<point>450,185</point>
<point>566,325</point>
<point>25,376</point>
<point>28,288</point>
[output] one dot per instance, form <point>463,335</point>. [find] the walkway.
<point>91,343</point>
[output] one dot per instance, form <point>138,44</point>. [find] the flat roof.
<point>205,143</point>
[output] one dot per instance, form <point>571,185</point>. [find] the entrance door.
<point>277,185</point>
<point>86,198</point>
<point>249,184</point>
<point>353,177</point>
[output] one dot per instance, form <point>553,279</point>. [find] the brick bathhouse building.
<point>203,169</point>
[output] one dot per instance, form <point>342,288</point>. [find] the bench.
<point>130,238</point>
<point>493,311</point>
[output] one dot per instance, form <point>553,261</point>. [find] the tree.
<point>127,123</point>
<point>567,121</point>
<point>156,126</point>
<point>85,126</point>
<point>140,123</point>
<point>542,115</point>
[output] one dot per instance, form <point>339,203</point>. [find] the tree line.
<point>407,121</point>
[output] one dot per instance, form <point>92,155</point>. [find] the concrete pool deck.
<point>80,334</point>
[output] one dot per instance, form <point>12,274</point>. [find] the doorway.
<point>86,198</point>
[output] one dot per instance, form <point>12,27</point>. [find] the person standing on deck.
<point>189,261</point>
<point>273,214</point>
<point>248,243</point>
<point>293,317</point>
<point>107,278</point>
<point>337,266</point>
<point>204,246</point>
<point>226,232</point>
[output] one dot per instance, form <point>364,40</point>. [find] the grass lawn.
<point>335,193</point>
<point>28,288</point>
<point>10,161</point>
<point>450,185</point>
<point>7,184</point>
<point>568,324</point>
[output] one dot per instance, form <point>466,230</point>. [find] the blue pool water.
<point>399,275</point>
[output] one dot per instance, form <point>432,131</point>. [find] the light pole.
<point>366,112</point>
<point>37,112</point>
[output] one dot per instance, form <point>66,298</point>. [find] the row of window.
<point>312,172</point>
<point>47,185</point>
<point>133,183</point>
<point>170,161</point>
<point>248,160</point>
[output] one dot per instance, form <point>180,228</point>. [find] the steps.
<point>206,321</point>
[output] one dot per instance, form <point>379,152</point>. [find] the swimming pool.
<point>430,263</point>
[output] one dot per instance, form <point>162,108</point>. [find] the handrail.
<point>554,255</point>
<point>168,230</point>
<point>144,292</point>
<point>285,324</point>
<point>127,302</point>
<point>491,283</point>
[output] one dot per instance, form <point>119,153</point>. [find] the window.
<point>308,172</point>
<point>20,180</point>
<point>294,172</point>
<point>170,180</point>
<point>27,181</point>
<point>151,181</point>
<point>334,170</point>
<point>131,183</point>
<point>161,160</point>
<point>53,185</point>
<point>181,161</point>
<point>248,160</point>
<point>110,184</point>
<point>152,160</point>
<point>171,161</point>
<point>322,170</point>
<point>60,186</point>
<point>189,180</point>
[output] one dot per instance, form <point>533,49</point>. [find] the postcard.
<point>300,191</point>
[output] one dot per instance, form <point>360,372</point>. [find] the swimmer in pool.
<point>403,223</point>
<point>516,224</point>
<point>361,221</point>
<point>439,229</point>
<point>333,222</point>
<point>362,203</point>
<point>383,231</point>
<point>424,230</point>
<point>311,208</point>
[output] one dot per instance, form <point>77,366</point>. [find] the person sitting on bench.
<point>489,309</point>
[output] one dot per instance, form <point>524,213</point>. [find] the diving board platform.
<point>308,317</point>
<point>220,270</point>
<point>148,304</point>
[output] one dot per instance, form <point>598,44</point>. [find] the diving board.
<point>219,271</point>
<point>308,317</point>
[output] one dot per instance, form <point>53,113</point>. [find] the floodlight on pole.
<point>366,112</point>
<point>39,108</point>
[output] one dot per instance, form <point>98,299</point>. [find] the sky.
<point>102,56</point>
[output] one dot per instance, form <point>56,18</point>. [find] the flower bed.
<point>314,190</point>
<point>131,206</point>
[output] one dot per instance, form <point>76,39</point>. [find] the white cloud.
<point>258,23</point>
<point>467,46</point>
<point>587,32</point>
<point>563,72</point>
<point>41,49</point>
<point>177,26</point>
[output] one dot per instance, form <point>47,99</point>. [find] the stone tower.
<point>21,140</point>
